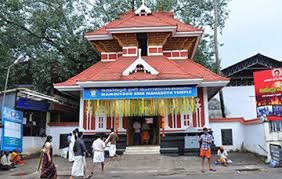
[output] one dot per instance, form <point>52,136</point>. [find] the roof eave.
<point>68,88</point>
<point>142,29</point>
<point>188,34</point>
<point>196,45</point>
<point>99,37</point>
<point>138,83</point>
<point>219,83</point>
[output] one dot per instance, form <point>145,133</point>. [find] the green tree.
<point>51,33</point>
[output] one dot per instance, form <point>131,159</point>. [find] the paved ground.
<point>159,166</point>
<point>256,175</point>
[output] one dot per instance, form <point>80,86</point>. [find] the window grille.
<point>276,126</point>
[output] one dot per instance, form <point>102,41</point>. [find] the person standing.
<point>112,139</point>
<point>98,150</point>
<point>145,133</point>
<point>48,168</point>
<point>79,164</point>
<point>137,137</point>
<point>71,145</point>
<point>205,150</point>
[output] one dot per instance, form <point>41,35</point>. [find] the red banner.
<point>268,86</point>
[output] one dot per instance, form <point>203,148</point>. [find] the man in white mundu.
<point>79,164</point>
<point>112,139</point>
<point>98,149</point>
<point>71,145</point>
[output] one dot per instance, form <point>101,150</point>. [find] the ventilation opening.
<point>139,68</point>
<point>142,43</point>
<point>143,13</point>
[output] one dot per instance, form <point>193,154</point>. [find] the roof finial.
<point>143,9</point>
<point>139,54</point>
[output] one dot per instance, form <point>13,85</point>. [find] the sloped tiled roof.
<point>168,69</point>
<point>156,19</point>
<point>195,68</point>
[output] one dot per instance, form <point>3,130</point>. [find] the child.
<point>222,156</point>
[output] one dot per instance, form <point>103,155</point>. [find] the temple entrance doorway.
<point>143,130</point>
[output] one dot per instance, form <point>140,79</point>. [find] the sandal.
<point>213,170</point>
<point>89,176</point>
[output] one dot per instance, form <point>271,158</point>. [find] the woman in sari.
<point>48,169</point>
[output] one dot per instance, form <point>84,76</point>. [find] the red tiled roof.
<point>197,69</point>
<point>156,19</point>
<point>84,74</point>
<point>168,69</point>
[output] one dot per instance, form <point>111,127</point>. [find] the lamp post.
<point>21,58</point>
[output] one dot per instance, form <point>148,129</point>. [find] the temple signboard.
<point>139,93</point>
<point>268,88</point>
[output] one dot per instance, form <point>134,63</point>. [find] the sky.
<point>253,26</point>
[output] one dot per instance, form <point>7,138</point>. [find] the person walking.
<point>98,150</point>
<point>79,164</point>
<point>71,145</point>
<point>205,150</point>
<point>48,168</point>
<point>112,139</point>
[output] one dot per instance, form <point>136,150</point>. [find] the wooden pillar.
<point>163,125</point>
<point>116,122</point>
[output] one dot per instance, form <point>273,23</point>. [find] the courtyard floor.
<point>149,166</point>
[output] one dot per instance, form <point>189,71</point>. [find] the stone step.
<point>142,148</point>
<point>141,153</point>
<point>132,150</point>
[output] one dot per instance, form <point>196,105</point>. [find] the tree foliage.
<point>50,32</point>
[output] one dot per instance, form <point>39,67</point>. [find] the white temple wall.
<point>239,101</point>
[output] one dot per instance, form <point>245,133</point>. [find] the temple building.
<point>147,75</point>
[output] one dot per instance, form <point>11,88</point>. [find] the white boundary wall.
<point>237,134</point>
<point>252,137</point>
<point>55,132</point>
<point>32,144</point>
